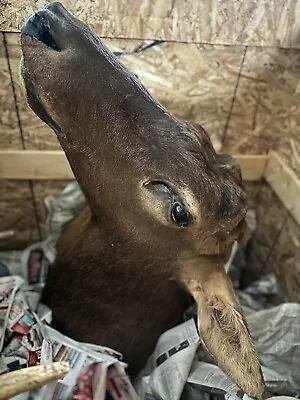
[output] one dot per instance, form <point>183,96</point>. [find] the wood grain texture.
<point>266,110</point>
<point>37,135</point>
<point>255,22</point>
<point>16,202</point>
<point>34,165</point>
<point>53,165</point>
<point>285,184</point>
<point>195,82</point>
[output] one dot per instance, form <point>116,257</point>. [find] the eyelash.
<point>178,212</point>
<point>174,204</point>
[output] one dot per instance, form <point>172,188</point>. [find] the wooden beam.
<point>252,166</point>
<point>53,165</point>
<point>34,165</point>
<point>285,184</point>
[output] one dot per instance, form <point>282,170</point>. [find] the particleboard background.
<point>253,22</point>
<point>232,66</point>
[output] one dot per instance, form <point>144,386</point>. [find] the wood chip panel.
<point>195,82</point>
<point>37,135</point>
<point>256,22</point>
<point>266,110</point>
<point>16,202</point>
<point>284,183</point>
<point>9,129</point>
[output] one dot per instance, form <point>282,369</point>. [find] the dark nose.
<point>50,25</point>
<point>39,27</point>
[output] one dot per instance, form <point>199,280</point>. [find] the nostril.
<point>38,27</point>
<point>45,37</point>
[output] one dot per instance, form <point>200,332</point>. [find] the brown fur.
<point>124,268</point>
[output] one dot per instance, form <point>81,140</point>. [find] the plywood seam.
<point>14,91</point>
<point>30,184</point>
<point>217,44</point>
<point>234,95</point>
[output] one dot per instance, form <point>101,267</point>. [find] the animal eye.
<point>179,215</point>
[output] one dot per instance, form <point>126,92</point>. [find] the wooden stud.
<point>53,165</point>
<point>252,166</point>
<point>285,184</point>
<point>34,165</point>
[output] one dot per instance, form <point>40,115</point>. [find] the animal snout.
<point>49,26</point>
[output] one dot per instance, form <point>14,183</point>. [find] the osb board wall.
<point>21,202</point>
<point>266,105</point>
<point>256,22</point>
<point>275,246</point>
<point>16,200</point>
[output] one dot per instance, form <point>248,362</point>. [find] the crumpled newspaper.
<point>28,340</point>
<point>179,368</point>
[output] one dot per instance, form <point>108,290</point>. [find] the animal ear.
<point>224,332</point>
<point>226,337</point>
